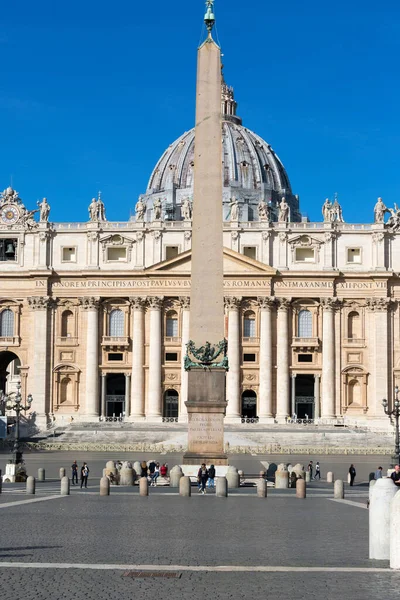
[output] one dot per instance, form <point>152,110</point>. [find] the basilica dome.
<point>252,171</point>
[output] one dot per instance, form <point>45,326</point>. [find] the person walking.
<point>395,476</point>
<point>352,472</point>
<point>310,469</point>
<point>202,477</point>
<point>378,473</point>
<point>84,475</point>
<point>74,468</point>
<point>211,477</point>
<point>317,471</point>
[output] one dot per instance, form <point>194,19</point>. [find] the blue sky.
<point>91,93</point>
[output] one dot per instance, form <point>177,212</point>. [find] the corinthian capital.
<point>155,302</point>
<point>138,303</point>
<point>283,303</point>
<point>232,303</point>
<point>39,302</point>
<point>90,303</point>
<point>331,303</point>
<point>184,302</point>
<point>379,304</point>
<point>266,303</point>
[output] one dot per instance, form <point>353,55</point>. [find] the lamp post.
<point>15,404</point>
<point>395,412</point>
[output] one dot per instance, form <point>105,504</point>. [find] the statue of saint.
<point>44,207</point>
<point>337,212</point>
<point>379,211</point>
<point>157,209</point>
<point>234,209</point>
<point>186,209</point>
<point>140,210</point>
<point>283,216</point>
<point>327,211</point>
<point>264,211</point>
<point>101,209</point>
<point>93,210</point>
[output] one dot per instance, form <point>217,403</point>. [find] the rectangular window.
<point>354,256</point>
<point>305,358</point>
<point>68,254</point>
<point>250,251</point>
<point>116,254</point>
<point>171,252</point>
<point>249,328</point>
<point>8,250</point>
<point>171,357</point>
<point>115,357</point>
<point>306,255</point>
<point>249,358</point>
<point>172,327</point>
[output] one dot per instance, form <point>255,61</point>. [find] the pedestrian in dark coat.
<point>352,472</point>
<point>84,475</point>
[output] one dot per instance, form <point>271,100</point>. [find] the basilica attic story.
<point>94,316</point>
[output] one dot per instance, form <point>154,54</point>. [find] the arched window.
<point>67,322</point>
<point>116,323</point>
<point>171,404</point>
<point>65,391</point>
<point>172,324</point>
<point>6,323</point>
<point>304,325</point>
<point>354,325</point>
<point>249,324</point>
<point>249,404</point>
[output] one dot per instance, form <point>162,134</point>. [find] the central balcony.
<point>110,342</point>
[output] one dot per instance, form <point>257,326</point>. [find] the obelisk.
<point>206,358</point>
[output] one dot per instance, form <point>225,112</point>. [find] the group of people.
<point>153,470</point>
<point>84,474</point>
<point>205,475</point>
<point>310,469</point>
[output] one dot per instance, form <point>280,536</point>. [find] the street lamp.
<point>16,405</point>
<point>395,412</point>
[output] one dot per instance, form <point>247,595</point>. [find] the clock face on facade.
<point>9,214</point>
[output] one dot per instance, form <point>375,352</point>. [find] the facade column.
<point>265,389</point>
<point>91,306</point>
<point>103,394</point>
<point>137,381</point>
<point>293,394</point>
<point>154,404</point>
<point>185,337</point>
<point>328,357</point>
<point>380,310</point>
<point>233,409</point>
<point>40,305</point>
<point>282,360</point>
<point>316,397</point>
<point>127,394</point>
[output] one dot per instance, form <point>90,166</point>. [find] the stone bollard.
<point>299,470</point>
<point>261,488</point>
<point>308,476</point>
<point>62,472</point>
<point>338,489</point>
<point>104,486</point>
<point>143,486</point>
<point>30,485</point>
<point>104,472</point>
<point>64,488</point>
<point>222,487</point>
<point>262,474</point>
<point>281,477</point>
<point>175,475</point>
<point>379,519</point>
<point>41,475</point>
<point>395,532</point>
<point>185,488</point>
<point>301,488</point>
<point>371,486</point>
<point>232,477</point>
<point>111,472</point>
<point>330,478</point>
<point>137,467</point>
<point>126,475</point>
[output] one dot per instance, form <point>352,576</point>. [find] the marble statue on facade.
<point>283,216</point>
<point>157,206</point>
<point>379,211</point>
<point>93,210</point>
<point>394,219</point>
<point>327,211</point>
<point>264,211</point>
<point>332,212</point>
<point>186,209</point>
<point>44,208</point>
<point>101,209</point>
<point>234,209</point>
<point>337,212</point>
<point>140,210</point>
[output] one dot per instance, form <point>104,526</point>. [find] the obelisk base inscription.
<point>206,411</point>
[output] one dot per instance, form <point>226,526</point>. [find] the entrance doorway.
<point>249,404</point>
<point>304,397</point>
<point>171,404</point>
<point>115,395</point>
<point>9,371</point>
